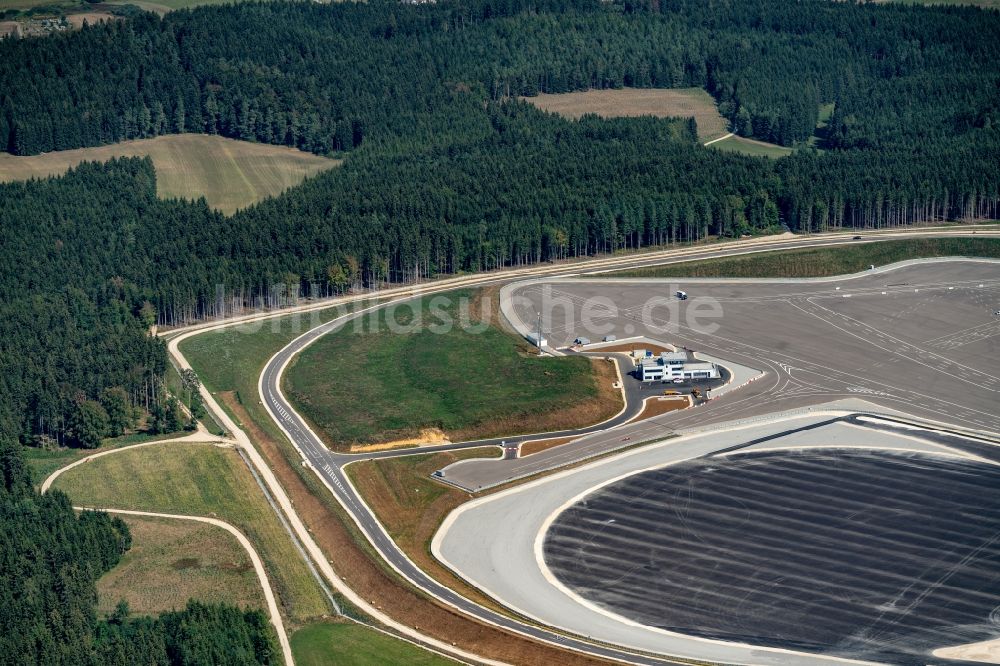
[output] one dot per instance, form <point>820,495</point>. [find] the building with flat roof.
<point>669,366</point>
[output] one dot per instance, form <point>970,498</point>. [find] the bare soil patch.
<point>539,445</point>
<point>340,540</point>
<point>427,436</point>
<point>663,405</point>
<point>630,102</point>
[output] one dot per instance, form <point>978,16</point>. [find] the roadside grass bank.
<point>394,378</point>
<point>411,506</point>
<point>363,569</point>
<point>201,480</point>
<point>347,644</point>
<point>821,262</point>
<point>229,362</point>
<point>172,561</point>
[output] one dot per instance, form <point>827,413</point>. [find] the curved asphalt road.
<point>330,467</point>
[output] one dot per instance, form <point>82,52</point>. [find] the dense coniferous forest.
<point>50,560</point>
<point>446,171</point>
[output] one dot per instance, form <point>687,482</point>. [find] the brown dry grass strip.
<point>539,445</point>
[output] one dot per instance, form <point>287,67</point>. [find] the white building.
<point>675,365</point>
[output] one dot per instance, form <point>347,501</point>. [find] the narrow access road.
<point>258,564</point>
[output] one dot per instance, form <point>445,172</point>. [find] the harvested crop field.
<point>629,102</point>
<point>230,174</point>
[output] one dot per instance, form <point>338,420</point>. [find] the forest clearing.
<point>230,174</point>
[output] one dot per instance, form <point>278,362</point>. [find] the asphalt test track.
<point>865,554</point>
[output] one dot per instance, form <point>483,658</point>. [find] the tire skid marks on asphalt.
<point>847,379</point>
<point>894,345</point>
<point>982,332</point>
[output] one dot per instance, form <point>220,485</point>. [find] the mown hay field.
<point>173,560</point>
<point>630,102</point>
<point>200,480</point>
<point>230,174</point>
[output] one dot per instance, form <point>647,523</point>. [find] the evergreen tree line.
<point>50,560</point>
<point>328,77</point>
<point>77,362</point>
<point>448,172</point>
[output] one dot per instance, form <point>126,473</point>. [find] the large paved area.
<point>921,338</point>
<point>865,554</point>
<point>818,538</point>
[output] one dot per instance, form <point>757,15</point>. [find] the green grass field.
<point>378,385</point>
<point>823,262</point>
<point>201,480</point>
<point>43,462</point>
<point>739,144</point>
<point>345,644</point>
<point>230,174</point>
<point>232,359</point>
<point>172,561</point>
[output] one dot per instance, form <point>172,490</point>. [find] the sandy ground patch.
<point>427,436</point>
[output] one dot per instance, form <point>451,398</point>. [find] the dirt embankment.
<point>340,541</point>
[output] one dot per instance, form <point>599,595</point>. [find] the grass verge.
<point>201,480</point>
<point>347,644</point>
<point>400,375</point>
<point>229,362</point>
<point>823,262</point>
<point>172,561</point>
<point>411,506</point>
